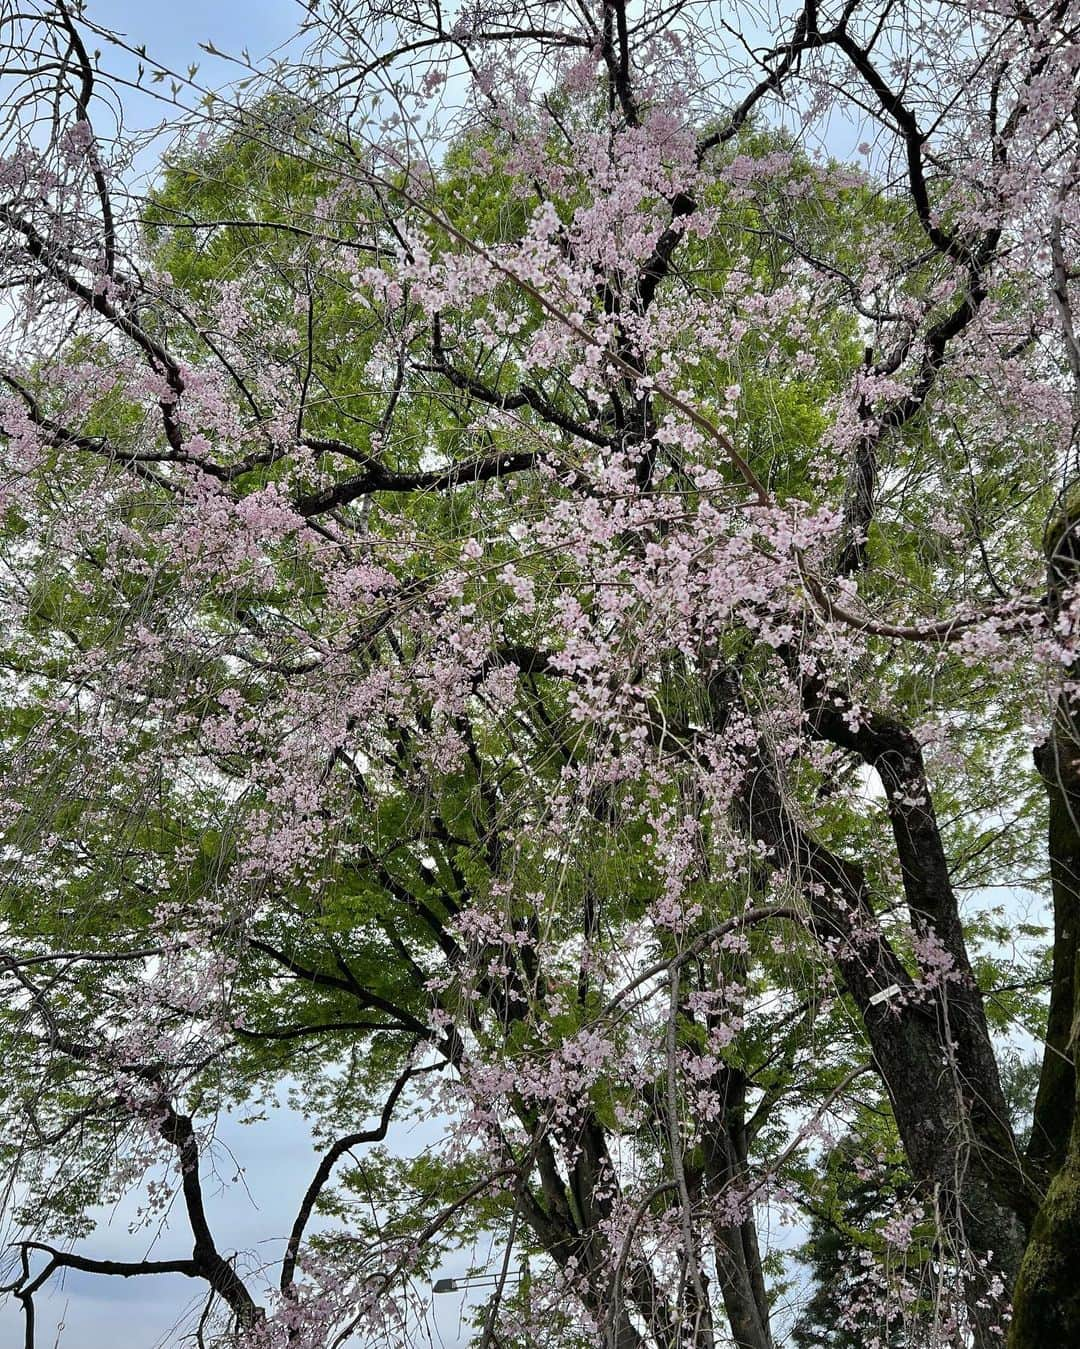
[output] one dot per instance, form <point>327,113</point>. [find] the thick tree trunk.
<point>957,1143</point>
<point>888,746</point>
<point>749,1328</point>
<point>1058,762</point>
<point>1055,1100</point>
<point>1046,1300</point>
<point>738,1258</point>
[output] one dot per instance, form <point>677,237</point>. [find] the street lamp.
<point>478,1281</point>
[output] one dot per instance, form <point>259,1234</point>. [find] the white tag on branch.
<point>884,994</point>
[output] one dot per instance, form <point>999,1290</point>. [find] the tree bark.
<point>738,1256</point>
<point>1056,1096</point>
<point>984,1202</point>
<point>1046,1300</point>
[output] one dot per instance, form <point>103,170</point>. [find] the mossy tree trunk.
<point>1046,1299</point>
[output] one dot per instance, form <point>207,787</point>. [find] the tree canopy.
<point>540,593</point>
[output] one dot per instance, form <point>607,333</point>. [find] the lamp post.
<point>493,1281</point>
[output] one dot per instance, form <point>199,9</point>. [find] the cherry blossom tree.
<point>539,574</point>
